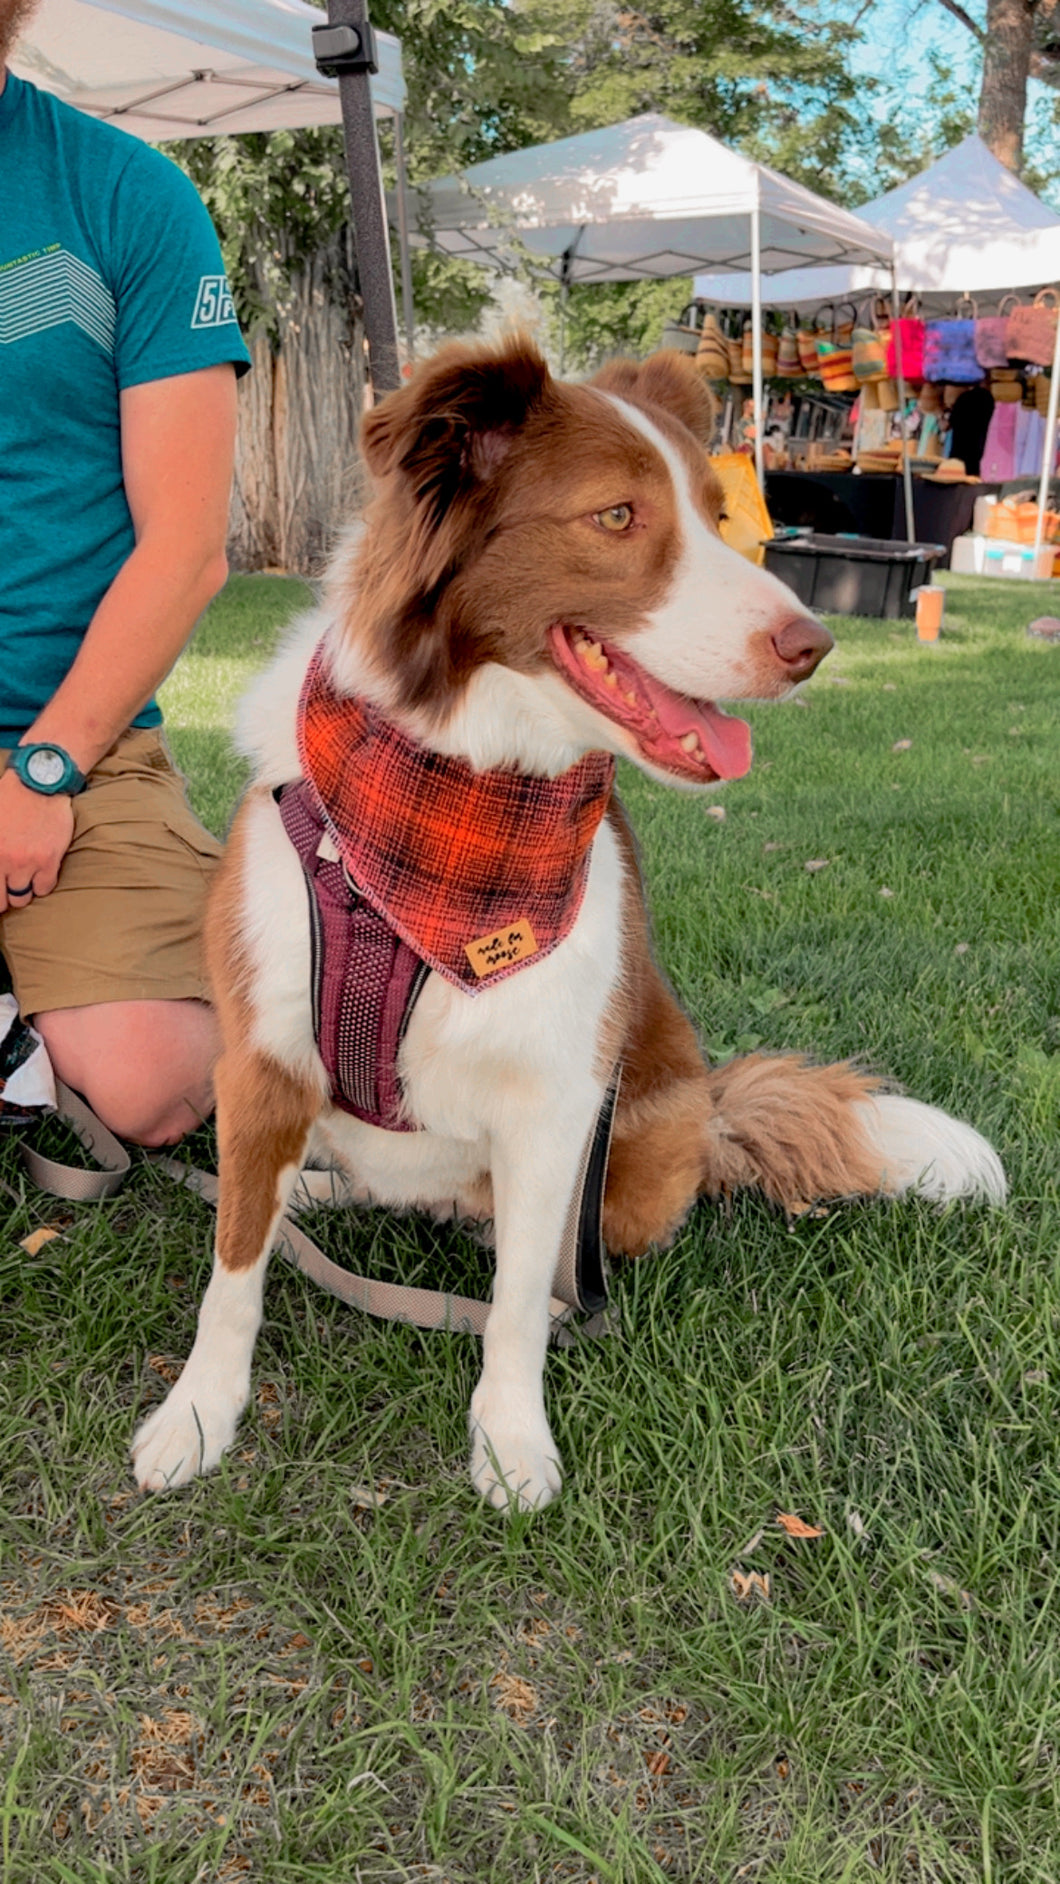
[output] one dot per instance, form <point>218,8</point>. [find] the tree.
<point>1020,40</point>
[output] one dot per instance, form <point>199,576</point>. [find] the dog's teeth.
<point>630,696</point>
<point>690,744</point>
<point>611,680</point>
<point>593,655</point>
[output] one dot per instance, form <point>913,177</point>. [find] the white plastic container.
<point>993,556</point>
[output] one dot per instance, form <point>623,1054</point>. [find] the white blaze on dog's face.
<point>549,555</point>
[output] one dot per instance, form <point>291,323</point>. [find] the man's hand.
<point>35,833</point>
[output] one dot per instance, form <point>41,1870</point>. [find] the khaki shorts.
<point>124,921</point>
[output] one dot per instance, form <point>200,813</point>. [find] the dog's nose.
<point>802,644</point>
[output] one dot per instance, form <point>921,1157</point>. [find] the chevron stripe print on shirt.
<point>47,290</point>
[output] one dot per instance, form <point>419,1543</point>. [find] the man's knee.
<point>145,1068</point>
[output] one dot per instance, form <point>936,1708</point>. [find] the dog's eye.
<point>617,517</point>
<point>723,516</point>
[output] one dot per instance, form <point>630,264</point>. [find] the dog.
<point>538,584</point>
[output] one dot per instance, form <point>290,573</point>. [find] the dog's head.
<point>568,535</point>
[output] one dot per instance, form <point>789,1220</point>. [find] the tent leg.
<point>1048,450</point>
<point>756,345</point>
<point>907,475</point>
<point>408,319</point>
<point>371,238</point>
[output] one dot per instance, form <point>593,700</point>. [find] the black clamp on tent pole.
<point>345,49</point>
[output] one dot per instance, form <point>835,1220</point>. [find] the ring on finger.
<point>28,891</point>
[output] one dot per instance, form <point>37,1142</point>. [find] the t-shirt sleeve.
<point>174,308</point>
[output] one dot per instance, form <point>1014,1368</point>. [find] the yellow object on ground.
<point>747,519</point>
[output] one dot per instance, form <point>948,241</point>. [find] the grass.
<point>329,1663</point>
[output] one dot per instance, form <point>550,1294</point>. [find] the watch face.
<point>46,766</point>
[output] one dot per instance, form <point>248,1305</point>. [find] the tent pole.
<point>408,319</point>
<point>907,475</point>
<point>351,65</point>
<point>756,343</point>
<point>1048,450</point>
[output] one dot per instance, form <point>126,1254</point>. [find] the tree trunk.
<point>299,410</point>
<point>1007,51</point>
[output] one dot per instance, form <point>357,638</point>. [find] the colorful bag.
<point>770,346</point>
<point>789,365</point>
<point>868,351</point>
<point>681,334</point>
<point>835,353</point>
<point>990,332</point>
<point>1031,331</point>
<point>712,354</point>
<point>886,394</point>
<point>737,376</point>
<point>949,352</point>
<point>907,341</point>
<point>1006,386</point>
<point>806,341</point>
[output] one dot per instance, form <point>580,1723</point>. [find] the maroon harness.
<point>365,979</point>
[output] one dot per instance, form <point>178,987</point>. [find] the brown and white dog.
<point>539,575</point>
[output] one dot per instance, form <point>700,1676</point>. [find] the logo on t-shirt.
<point>213,303</point>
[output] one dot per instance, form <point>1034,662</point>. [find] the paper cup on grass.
<point>929,605</point>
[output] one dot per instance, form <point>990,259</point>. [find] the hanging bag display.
<point>949,350</point>
<point>682,334</point>
<point>712,354</point>
<point>990,334</point>
<point>835,351</point>
<point>907,337</point>
<point>1006,385</point>
<point>1031,331</point>
<point>868,353</point>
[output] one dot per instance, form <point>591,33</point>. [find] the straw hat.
<point>951,471</point>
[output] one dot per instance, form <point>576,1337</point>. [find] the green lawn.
<point>329,1663</point>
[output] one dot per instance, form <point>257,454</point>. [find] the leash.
<point>579,1284</point>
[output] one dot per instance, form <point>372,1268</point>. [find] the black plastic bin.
<point>853,575</point>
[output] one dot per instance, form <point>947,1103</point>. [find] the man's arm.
<point>178,446</point>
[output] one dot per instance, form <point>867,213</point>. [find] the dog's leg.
<point>264,1117</point>
<point>514,1459</point>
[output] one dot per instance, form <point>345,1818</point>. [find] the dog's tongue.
<point>726,741</point>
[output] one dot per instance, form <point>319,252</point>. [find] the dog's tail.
<point>801,1134</point>
<point>804,1133</point>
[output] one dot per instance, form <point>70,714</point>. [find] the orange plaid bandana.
<point>479,872</point>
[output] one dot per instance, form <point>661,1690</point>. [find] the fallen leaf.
<point>884,891</point>
<point>796,1527</point>
<point>748,1584</point>
<point>816,863</point>
<point>767,847</point>
<point>716,811</point>
<point>366,1498</point>
<point>856,1523</point>
<point>901,745</point>
<point>37,1238</point>
<point>961,948</point>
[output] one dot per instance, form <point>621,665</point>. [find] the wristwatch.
<point>47,769</point>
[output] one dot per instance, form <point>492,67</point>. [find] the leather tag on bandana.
<point>501,948</point>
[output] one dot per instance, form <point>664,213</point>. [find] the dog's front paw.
<point>514,1462</point>
<point>183,1437</point>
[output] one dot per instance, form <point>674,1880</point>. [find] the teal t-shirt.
<point>110,276</point>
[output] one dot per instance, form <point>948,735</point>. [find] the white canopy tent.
<point>172,69</point>
<point>965,226</point>
<point>641,201</point>
<point>166,69</point>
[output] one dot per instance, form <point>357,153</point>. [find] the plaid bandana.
<point>479,872</point>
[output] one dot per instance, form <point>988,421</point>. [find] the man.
<point>118,357</point>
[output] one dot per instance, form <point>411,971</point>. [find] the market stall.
<point>975,252</point>
<point>641,200</point>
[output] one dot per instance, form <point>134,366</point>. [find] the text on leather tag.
<point>501,948</point>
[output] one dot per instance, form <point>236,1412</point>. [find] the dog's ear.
<point>450,429</point>
<point>669,381</point>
